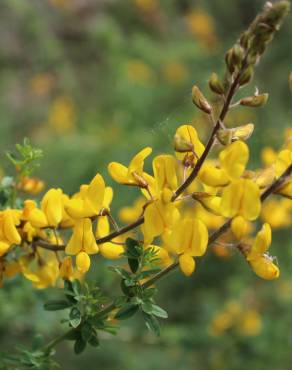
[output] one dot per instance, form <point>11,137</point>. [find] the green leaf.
<point>86,331</point>
<point>122,272</point>
<point>73,335</point>
<point>75,317</point>
<point>152,323</point>
<point>133,248</point>
<point>147,307</point>
<point>127,290</point>
<point>79,346</point>
<point>93,341</point>
<point>55,305</point>
<point>133,264</point>
<point>147,273</point>
<point>159,312</point>
<point>127,311</point>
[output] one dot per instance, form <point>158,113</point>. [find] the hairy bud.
<point>246,76</point>
<point>255,101</point>
<point>215,84</point>
<point>200,101</point>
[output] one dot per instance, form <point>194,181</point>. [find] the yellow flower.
<point>261,243</point>
<point>89,201</point>
<point>41,273</point>
<point>133,175</point>
<point>234,158</point>
<point>186,140</point>
<point>201,25</point>
<point>189,235</point>
<point>250,323</point>
<point>108,250</point>
<point>261,263</point>
<point>31,185</point>
<point>212,176</point>
<point>82,262</point>
<point>175,73</point>
<point>139,72</point>
<point>4,246</point>
<point>82,238</point>
<point>164,172</point>
<point>35,216</point>
<point>66,268</point>
<point>277,213</point>
<point>9,219</point>
<point>62,114</point>
<point>159,216</point>
<point>264,267</point>
<point>241,197</point>
<point>240,227</point>
<point>284,160</point>
<point>130,214</point>
<point>187,264</point>
<point>268,156</point>
<point>52,206</point>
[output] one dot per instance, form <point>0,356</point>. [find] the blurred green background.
<point>91,81</point>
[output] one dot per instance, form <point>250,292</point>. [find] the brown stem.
<point>212,137</point>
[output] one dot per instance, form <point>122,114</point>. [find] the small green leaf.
<point>127,311</point>
<point>159,312</point>
<point>79,346</point>
<point>93,341</point>
<point>147,307</point>
<point>75,317</point>
<point>86,331</point>
<point>73,335</point>
<point>152,323</point>
<point>55,305</point>
<point>147,273</point>
<point>133,248</point>
<point>127,290</point>
<point>133,264</point>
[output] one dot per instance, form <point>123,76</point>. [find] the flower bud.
<point>215,84</point>
<point>229,62</point>
<point>187,264</point>
<point>200,101</point>
<point>255,101</point>
<point>82,262</point>
<point>224,136</point>
<point>246,76</point>
<point>242,132</point>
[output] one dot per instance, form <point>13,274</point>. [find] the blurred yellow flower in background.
<point>201,25</point>
<point>138,71</point>
<point>146,5</point>
<point>175,73</point>
<point>236,316</point>
<point>62,114</point>
<point>42,83</point>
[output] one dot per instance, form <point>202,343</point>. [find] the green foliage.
<point>26,159</point>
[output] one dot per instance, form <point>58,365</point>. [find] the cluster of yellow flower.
<point>236,316</point>
<point>222,189</point>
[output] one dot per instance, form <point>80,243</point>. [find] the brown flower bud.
<point>246,76</point>
<point>200,101</point>
<point>229,62</point>
<point>255,101</point>
<point>215,84</point>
